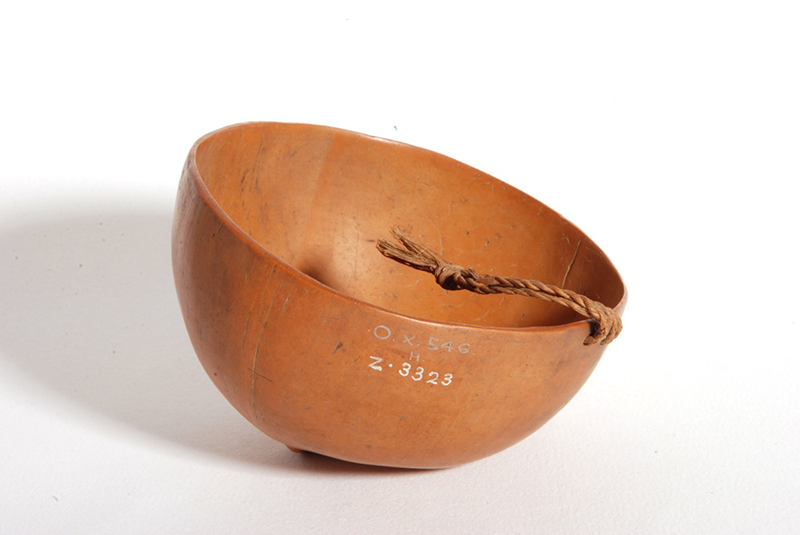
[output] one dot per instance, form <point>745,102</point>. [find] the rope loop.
<point>606,324</point>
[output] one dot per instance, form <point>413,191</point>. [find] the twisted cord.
<point>606,324</point>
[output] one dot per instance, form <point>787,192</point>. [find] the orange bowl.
<point>327,346</point>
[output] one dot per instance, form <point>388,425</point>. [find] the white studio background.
<point>668,131</point>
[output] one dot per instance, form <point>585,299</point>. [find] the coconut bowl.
<point>326,345</point>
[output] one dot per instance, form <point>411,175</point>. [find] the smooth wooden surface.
<point>327,346</point>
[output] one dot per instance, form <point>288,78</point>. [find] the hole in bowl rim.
<point>259,249</point>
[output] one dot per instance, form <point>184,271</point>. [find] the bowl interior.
<point>318,198</point>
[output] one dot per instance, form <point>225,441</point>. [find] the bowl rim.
<point>258,248</point>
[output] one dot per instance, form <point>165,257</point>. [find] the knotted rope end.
<point>415,255</point>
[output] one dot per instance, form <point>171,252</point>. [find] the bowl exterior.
<point>323,372</point>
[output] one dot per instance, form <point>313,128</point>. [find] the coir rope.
<point>606,323</point>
